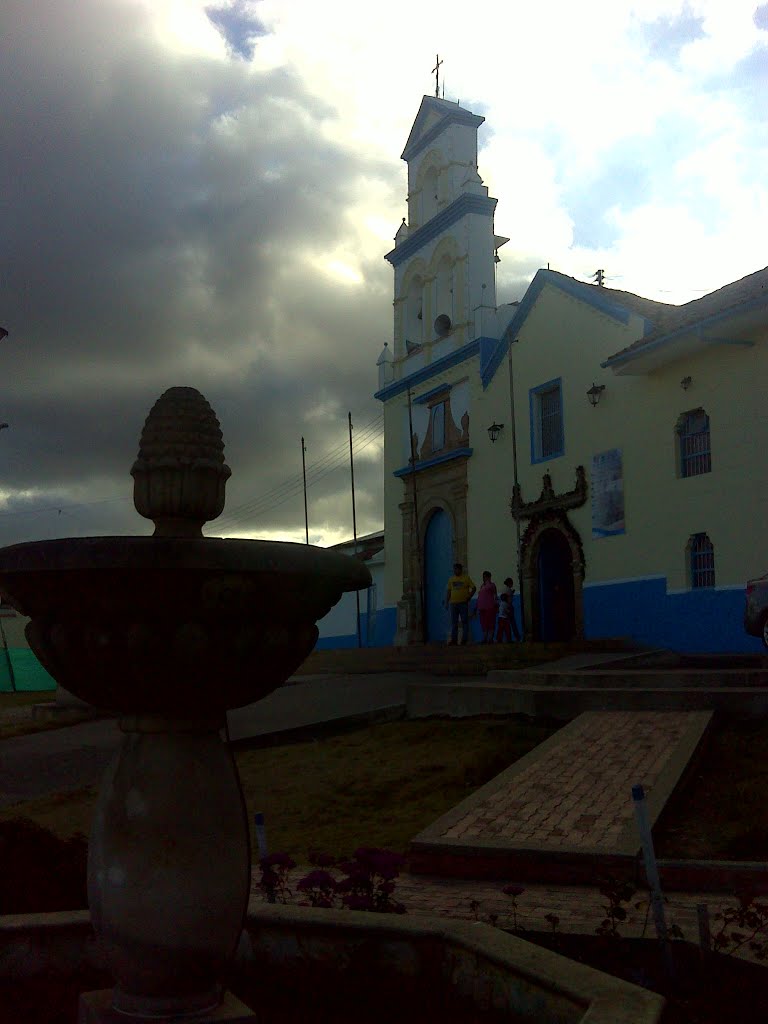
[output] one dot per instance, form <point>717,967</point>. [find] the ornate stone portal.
<point>549,512</point>
<point>170,632</point>
<point>440,487</point>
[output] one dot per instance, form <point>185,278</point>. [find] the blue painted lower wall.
<point>704,620</point>
<point>381,635</point>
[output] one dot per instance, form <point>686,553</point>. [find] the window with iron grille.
<point>438,427</point>
<point>693,435</point>
<point>702,556</point>
<point>546,421</point>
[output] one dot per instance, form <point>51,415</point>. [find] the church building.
<point>604,450</point>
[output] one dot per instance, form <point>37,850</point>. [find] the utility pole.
<point>3,334</point>
<point>354,524</point>
<point>304,474</point>
<point>599,276</point>
<point>516,482</point>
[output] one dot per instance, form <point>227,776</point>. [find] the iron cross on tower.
<point>436,73</point>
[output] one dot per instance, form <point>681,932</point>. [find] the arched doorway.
<point>556,606</point>
<point>438,565</point>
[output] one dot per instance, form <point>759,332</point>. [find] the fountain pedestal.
<point>169,865</point>
<point>145,626</point>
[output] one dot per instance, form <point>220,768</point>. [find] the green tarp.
<point>28,673</point>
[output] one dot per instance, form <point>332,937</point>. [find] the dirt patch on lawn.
<point>722,811</point>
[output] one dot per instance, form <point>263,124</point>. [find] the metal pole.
<point>652,874</point>
<point>515,479</point>
<point>354,525</point>
<point>416,523</point>
<point>304,474</point>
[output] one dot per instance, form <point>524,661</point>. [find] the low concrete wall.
<point>495,970</point>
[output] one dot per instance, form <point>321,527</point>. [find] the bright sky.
<point>203,194</point>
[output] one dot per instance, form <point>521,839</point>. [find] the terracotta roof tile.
<point>730,296</point>
<point>656,312</point>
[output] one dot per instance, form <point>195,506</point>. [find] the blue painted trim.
<point>459,116</point>
<point>456,453</point>
<point>466,203</point>
<point>697,326</point>
<point>427,372</point>
<point>423,399</point>
<point>487,350</point>
<point>532,392</point>
<point>576,289</point>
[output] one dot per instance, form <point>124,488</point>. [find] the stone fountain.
<point>170,632</point>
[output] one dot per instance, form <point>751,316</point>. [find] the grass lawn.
<point>376,786</point>
<point>722,813</point>
<point>12,724</point>
<point>21,698</point>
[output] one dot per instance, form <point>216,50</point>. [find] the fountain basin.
<point>293,961</point>
<point>154,624</point>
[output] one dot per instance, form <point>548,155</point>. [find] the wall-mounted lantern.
<point>686,382</point>
<point>494,430</point>
<point>595,392</point>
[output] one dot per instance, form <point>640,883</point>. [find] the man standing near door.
<point>457,597</point>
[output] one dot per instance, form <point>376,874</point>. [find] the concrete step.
<point>425,700</point>
<point>646,679</point>
<point>439,659</point>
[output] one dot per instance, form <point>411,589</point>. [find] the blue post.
<point>652,874</point>
<point>261,834</point>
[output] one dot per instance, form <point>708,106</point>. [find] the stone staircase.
<point>651,680</point>
<point>442,660</point>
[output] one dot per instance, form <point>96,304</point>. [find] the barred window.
<point>693,435</point>
<point>702,561</point>
<point>547,422</point>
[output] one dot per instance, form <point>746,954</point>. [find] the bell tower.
<point>444,255</point>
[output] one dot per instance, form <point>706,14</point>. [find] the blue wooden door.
<point>556,599</point>
<point>438,566</point>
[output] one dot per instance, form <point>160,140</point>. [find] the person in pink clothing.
<point>487,604</point>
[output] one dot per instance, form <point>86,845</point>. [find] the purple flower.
<point>513,890</point>
<point>278,860</point>
<point>317,879</point>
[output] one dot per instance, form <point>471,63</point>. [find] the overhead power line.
<point>330,457</point>
<point>328,462</point>
<point>259,507</point>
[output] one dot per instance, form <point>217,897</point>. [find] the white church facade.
<point>602,449</point>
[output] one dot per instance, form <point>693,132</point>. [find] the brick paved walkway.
<point>572,794</point>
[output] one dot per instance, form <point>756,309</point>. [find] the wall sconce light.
<point>494,430</point>
<point>595,392</point>
<point>686,382</point>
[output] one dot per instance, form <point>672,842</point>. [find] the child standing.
<point>504,631</point>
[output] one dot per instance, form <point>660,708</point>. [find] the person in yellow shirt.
<point>457,597</point>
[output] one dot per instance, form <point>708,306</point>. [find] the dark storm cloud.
<point>238,25</point>
<point>157,211</point>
